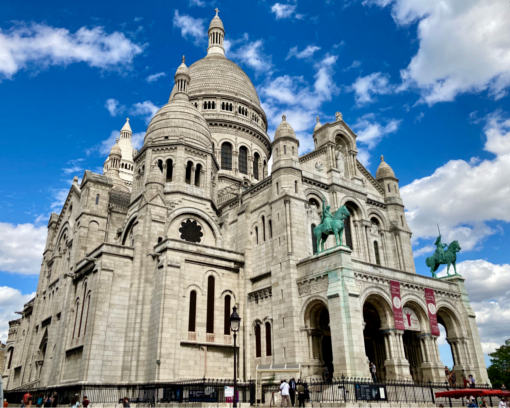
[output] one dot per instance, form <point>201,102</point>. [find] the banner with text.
<point>396,302</point>
<point>430,299</point>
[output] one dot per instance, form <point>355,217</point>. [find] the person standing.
<point>502,403</point>
<point>54,400</point>
<point>284,390</point>
<point>85,402</point>
<point>292,391</point>
<point>471,381</point>
<point>373,371</point>
<point>300,388</point>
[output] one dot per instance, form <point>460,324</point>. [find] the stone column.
<point>397,366</point>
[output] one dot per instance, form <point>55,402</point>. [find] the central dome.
<point>216,73</point>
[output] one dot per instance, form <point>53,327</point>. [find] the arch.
<point>345,141</point>
<point>376,253</point>
<point>169,170</point>
<point>159,163</point>
<point>77,309</point>
<point>189,167</point>
<point>269,349</point>
<point>10,352</point>
<point>256,160</point>
<point>243,160</point>
<point>226,156</point>
<point>379,216</point>
<point>270,227</point>
<point>210,304</point>
<point>198,170</point>
<point>128,232</point>
<point>382,304</point>
<point>258,343</point>
<point>198,213</point>
<point>256,235</point>
<point>263,220</point>
<point>374,342</point>
<point>316,316</point>
<point>226,320</point>
<point>314,241</point>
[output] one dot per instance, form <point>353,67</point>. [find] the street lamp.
<point>235,322</point>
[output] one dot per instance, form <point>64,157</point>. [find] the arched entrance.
<point>319,338</point>
<point>376,320</point>
<point>455,341</point>
<point>415,322</point>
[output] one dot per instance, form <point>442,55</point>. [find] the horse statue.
<point>330,224</point>
<point>444,255</point>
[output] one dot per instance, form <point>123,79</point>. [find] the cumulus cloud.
<point>145,108</point>
<point>73,166</point>
<point>40,45</point>
<point>191,28</point>
<point>307,52</point>
<point>288,10</point>
<point>299,99</point>
<point>113,106</point>
<point>250,53</point>
<point>366,87</point>
<point>464,46</point>
<point>11,301</point>
<point>370,131</point>
<point>155,77</point>
<point>462,196</point>
<point>21,248</point>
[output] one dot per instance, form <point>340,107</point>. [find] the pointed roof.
<point>284,130</point>
<point>384,170</point>
<point>216,21</point>
<point>126,127</point>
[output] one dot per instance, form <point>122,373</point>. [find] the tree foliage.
<point>499,371</point>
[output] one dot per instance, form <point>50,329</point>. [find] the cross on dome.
<point>217,10</point>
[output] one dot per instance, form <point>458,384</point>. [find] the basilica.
<point>145,262</point>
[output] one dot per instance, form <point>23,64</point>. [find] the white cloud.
<point>137,140</point>
<point>370,132</point>
<point>197,3</point>
<point>11,301</point>
<point>74,166</point>
<point>155,77</point>
<point>191,28</point>
<point>250,53</point>
<point>21,248</point>
<point>145,108</point>
<point>113,106</point>
<point>40,45</point>
<point>488,287</point>
<point>365,88</point>
<point>461,196</point>
<point>307,52</point>
<point>288,10</point>
<point>464,46</point>
<point>299,99</point>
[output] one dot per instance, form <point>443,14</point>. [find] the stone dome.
<point>216,74</point>
<point>284,130</point>
<point>216,22</point>
<point>116,150</point>
<point>179,120</point>
<point>384,170</point>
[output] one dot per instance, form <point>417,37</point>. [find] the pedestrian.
<point>6,404</point>
<point>284,390</point>
<point>22,403</point>
<point>75,402</point>
<point>292,390</point>
<point>300,388</point>
<point>373,371</point>
<point>502,403</point>
<point>47,401</point>
<point>54,400</point>
<point>447,373</point>
<point>85,402</point>
<point>471,381</point>
<point>453,379</point>
<point>483,404</point>
<point>125,402</point>
<point>26,397</point>
<point>465,381</point>
<point>40,401</point>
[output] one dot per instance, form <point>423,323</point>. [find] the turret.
<point>386,177</point>
<point>216,36</point>
<point>285,146</point>
<point>112,163</point>
<point>182,80</point>
<point>126,132</point>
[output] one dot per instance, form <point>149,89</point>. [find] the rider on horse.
<point>440,248</point>
<point>326,214</point>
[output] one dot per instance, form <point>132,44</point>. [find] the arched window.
<point>376,251</point>
<point>97,199</point>
<point>270,225</point>
<point>314,241</point>
<point>268,339</point>
<point>256,159</point>
<point>349,234</point>
<point>192,310</point>
<point>160,165</point>
<point>226,320</point>
<point>210,305</point>
<point>197,175</point>
<point>76,314</point>
<point>226,156</point>
<point>189,165</point>
<point>9,360</point>
<point>169,169</point>
<point>263,228</point>
<point>258,348</point>
<point>87,313</point>
<point>257,235</point>
<point>243,160</point>
<point>82,307</point>
<point>295,186</point>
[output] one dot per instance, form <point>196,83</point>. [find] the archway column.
<point>431,367</point>
<point>459,366</point>
<point>396,364</point>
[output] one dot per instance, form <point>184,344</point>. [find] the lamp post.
<point>235,322</point>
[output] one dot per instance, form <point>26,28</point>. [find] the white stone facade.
<point>144,263</point>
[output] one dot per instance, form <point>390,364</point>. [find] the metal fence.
<point>203,390</point>
<point>344,390</point>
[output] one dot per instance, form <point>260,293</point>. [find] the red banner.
<point>396,302</point>
<point>430,299</point>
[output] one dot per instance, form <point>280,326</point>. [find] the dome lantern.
<point>182,80</point>
<point>216,34</point>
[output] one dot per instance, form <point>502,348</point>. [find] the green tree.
<point>499,371</point>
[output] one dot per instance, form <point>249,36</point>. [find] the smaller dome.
<point>384,170</point>
<point>183,68</point>
<point>216,21</point>
<point>284,130</point>
<point>318,125</point>
<point>116,149</point>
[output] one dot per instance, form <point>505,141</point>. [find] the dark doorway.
<point>374,340</point>
<point>413,354</point>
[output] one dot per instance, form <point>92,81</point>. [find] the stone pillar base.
<point>397,370</point>
<point>432,372</point>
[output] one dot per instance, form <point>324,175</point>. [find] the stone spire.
<point>216,36</point>
<point>182,79</point>
<point>126,132</point>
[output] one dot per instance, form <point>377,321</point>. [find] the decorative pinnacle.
<point>284,118</point>
<point>382,158</point>
<point>127,119</point>
<point>183,59</point>
<point>217,10</point>
<point>318,120</point>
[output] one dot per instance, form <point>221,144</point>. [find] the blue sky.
<point>425,83</point>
